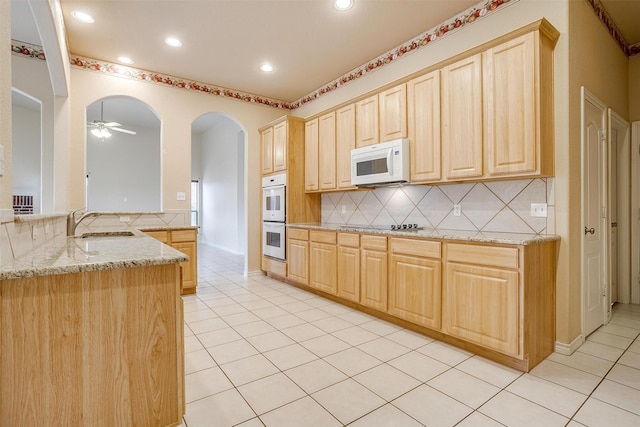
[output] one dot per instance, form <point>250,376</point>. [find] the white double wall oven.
<point>273,216</point>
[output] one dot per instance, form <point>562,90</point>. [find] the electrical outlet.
<point>343,209</point>
<point>125,219</point>
<point>539,210</point>
<point>457,210</point>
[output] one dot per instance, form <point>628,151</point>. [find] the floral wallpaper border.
<point>27,49</point>
<point>630,50</point>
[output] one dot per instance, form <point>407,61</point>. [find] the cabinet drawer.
<point>322,236</point>
<point>349,239</point>
<point>419,248</point>
<point>298,234</point>
<point>495,256</point>
<point>378,243</point>
<point>183,236</point>
<point>158,235</point>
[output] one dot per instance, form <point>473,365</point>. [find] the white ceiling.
<point>224,41</point>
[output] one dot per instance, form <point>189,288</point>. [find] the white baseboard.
<point>568,349</point>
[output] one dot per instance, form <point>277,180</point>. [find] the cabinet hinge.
<point>603,135</point>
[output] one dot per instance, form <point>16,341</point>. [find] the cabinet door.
<point>423,98</point>
<point>367,121</point>
<point>280,147</point>
<point>267,151</point>
<point>311,155</point>
<point>349,273</point>
<point>393,113</point>
<point>481,305</point>
<point>189,268</point>
<point>322,267</point>
<point>298,260</point>
<point>327,151</point>
<point>462,119</point>
<point>345,142</point>
<point>415,289</point>
<point>373,279</point>
<point>510,108</point>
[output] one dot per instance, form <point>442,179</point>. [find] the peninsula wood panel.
<point>95,348</point>
<point>345,142</point>
<point>462,119</point>
<point>423,111</point>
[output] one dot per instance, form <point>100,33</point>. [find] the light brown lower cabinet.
<point>298,255</point>
<point>349,266</point>
<point>185,241</point>
<point>323,261</point>
<point>415,281</point>
<point>373,272</point>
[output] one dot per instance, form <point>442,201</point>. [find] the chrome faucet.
<point>72,223</point>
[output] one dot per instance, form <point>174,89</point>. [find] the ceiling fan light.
<point>101,133</point>
<point>83,17</point>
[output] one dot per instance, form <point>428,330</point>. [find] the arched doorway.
<point>218,153</point>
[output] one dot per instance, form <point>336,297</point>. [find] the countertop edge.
<point>520,239</point>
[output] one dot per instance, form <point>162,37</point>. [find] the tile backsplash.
<point>500,206</point>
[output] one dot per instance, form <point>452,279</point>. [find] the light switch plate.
<point>539,210</point>
<point>181,195</point>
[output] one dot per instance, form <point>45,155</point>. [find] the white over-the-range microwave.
<point>383,163</point>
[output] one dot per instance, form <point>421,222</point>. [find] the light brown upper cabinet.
<point>327,151</point>
<point>274,141</point>
<point>393,113</point>
<point>311,155</point>
<point>320,153</point>
<point>367,121</point>
<point>518,107</point>
<point>266,137</point>
<point>462,119</point>
<point>345,142</point>
<point>423,111</point>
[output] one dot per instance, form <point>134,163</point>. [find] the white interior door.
<point>595,227</point>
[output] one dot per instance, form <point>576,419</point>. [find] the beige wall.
<point>177,109</point>
<point>5,103</point>
<point>634,89</point>
<point>596,62</point>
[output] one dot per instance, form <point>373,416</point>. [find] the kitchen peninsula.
<point>92,333</point>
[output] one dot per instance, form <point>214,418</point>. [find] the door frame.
<point>587,96</point>
<point>622,180</point>
<point>635,212</point>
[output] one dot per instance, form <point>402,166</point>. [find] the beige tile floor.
<point>263,353</point>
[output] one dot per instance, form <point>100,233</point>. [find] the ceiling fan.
<point>101,128</point>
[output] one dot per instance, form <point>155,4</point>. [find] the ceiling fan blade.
<point>111,124</point>
<point>130,132</point>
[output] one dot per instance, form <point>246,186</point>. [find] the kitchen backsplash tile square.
<point>503,206</point>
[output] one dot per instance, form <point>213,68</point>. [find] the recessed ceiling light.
<point>173,42</point>
<point>83,17</point>
<point>343,4</point>
<point>125,60</point>
<point>267,68</point>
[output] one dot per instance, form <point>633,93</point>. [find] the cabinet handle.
<point>589,230</point>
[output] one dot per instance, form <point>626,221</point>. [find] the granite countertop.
<point>432,233</point>
<point>99,251</point>
<point>167,227</point>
